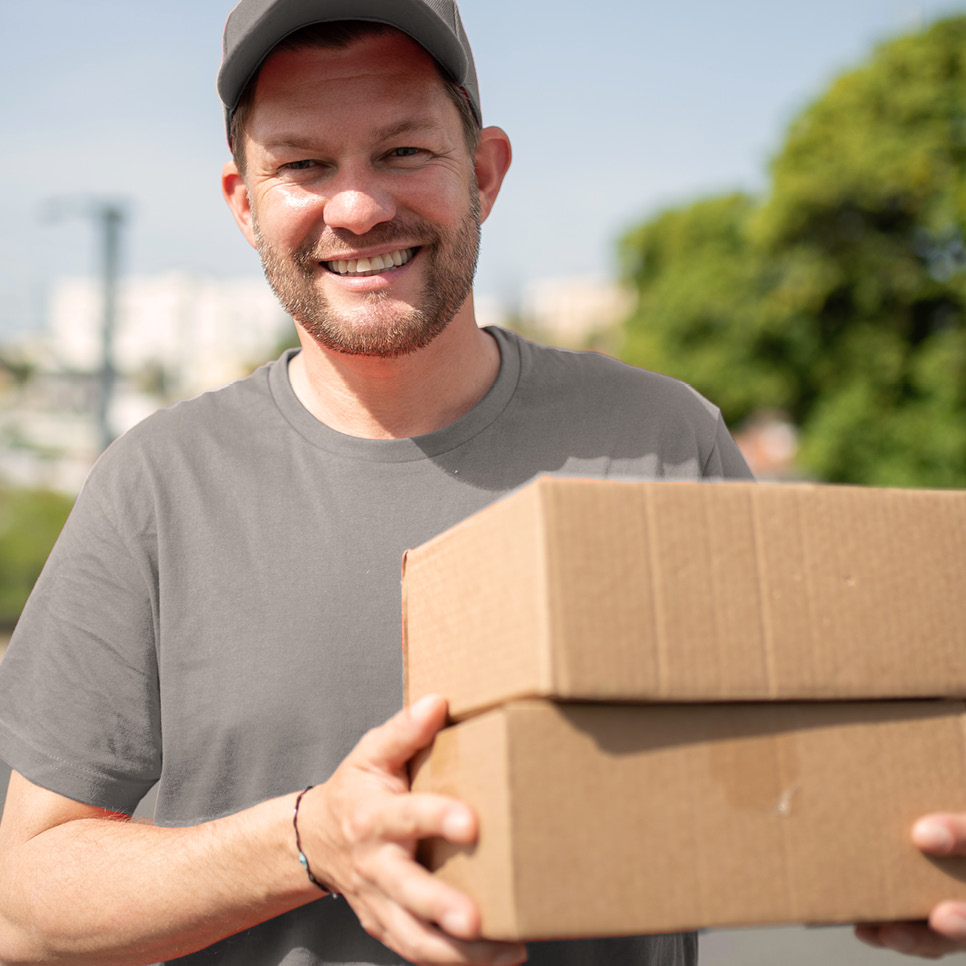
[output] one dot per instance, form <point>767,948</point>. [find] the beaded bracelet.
<point>303,861</point>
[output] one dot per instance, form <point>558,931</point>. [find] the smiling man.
<point>220,616</point>
<point>391,262</point>
<point>361,175</point>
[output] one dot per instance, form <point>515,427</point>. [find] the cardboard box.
<point>611,591</point>
<point>608,820</point>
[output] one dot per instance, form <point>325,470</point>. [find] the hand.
<point>945,932</point>
<point>359,831</point>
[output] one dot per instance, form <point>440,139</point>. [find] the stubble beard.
<point>380,326</point>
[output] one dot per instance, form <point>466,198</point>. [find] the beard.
<point>380,325</point>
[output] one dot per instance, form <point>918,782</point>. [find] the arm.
<point>945,932</point>
<point>79,885</point>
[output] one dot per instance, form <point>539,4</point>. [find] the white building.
<point>175,335</point>
<point>201,332</point>
<point>571,310</point>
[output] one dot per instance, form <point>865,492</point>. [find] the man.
<point>220,614</point>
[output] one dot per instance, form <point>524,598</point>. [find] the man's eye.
<point>405,152</point>
<point>298,165</point>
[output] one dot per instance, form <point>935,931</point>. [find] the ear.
<point>492,160</point>
<point>236,194</point>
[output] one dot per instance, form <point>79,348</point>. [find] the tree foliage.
<point>30,522</point>
<point>839,297</point>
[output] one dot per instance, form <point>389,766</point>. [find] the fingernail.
<point>423,705</point>
<point>456,923</point>
<point>457,825</point>
<point>516,955</point>
<point>932,836</point>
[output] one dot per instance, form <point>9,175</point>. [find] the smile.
<point>373,265</point>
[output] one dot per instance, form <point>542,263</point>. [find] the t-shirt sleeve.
<point>725,461</point>
<point>79,699</point>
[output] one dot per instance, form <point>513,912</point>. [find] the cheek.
<point>443,203</point>
<point>295,201</point>
<point>288,215</point>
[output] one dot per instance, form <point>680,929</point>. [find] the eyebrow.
<point>301,142</point>
<point>411,125</point>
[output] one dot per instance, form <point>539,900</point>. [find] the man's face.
<point>364,205</point>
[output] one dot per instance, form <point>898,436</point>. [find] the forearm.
<point>79,888</point>
<point>114,893</point>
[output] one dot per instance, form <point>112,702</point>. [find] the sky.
<point>615,109</point>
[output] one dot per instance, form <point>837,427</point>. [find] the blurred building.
<point>48,435</point>
<point>190,332</point>
<point>176,335</point>
<point>575,311</point>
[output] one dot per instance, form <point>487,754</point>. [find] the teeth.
<point>371,265</point>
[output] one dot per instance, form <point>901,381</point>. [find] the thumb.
<point>392,744</point>
<point>943,833</point>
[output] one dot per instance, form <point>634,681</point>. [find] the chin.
<point>382,339</point>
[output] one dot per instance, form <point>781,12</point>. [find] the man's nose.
<point>358,203</point>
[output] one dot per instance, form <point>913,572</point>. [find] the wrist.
<point>302,857</point>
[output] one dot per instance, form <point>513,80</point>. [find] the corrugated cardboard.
<point>612,591</point>
<point>609,820</point>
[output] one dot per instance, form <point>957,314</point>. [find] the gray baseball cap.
<point>254,27</point>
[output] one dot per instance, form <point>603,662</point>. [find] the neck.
<point>409,396</point>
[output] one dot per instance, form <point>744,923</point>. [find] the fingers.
<point>391,745</point>
<point>949,920</point>
<point>428,898</point>
<point>910,938</point>
<point>944,933</point>
<point>943,833</point>
<point>345,829</point>
<point>364,824</point>
<point>420,941</point>
<point>939,834</point>
<point>422,918</point>
<point>383,841</point>
<point>405,818</point>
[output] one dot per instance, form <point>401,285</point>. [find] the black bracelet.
<point>304,862</point>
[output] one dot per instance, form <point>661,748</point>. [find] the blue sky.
<point>615,109</point>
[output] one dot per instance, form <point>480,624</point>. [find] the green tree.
<point>841,296</point>
<point>702,310</point>
<point>29,524</point>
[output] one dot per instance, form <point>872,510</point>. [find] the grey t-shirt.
<point>221,614</point>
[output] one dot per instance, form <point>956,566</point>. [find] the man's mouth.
<point>373,265</point>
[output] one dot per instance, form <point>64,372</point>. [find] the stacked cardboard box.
<point>687,705</point>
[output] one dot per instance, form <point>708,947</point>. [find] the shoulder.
<point>645,421</point>
<point>180,448</point>
<point>590,375</point>
<point>228,413</point>
<point>242,401</point>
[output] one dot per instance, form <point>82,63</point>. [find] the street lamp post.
<point>109,217</point>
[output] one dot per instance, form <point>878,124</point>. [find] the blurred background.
<point>764,199</point>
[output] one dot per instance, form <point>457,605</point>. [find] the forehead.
<point>375,76</point>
